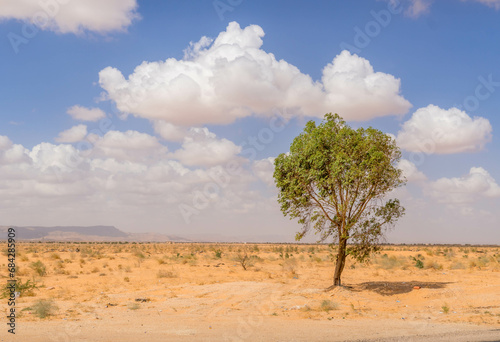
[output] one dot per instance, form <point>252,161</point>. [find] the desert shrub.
<point>244,260</point>
<point>134,306</point>
<point>26,289</point>
<point>431,264</point>
<point>139,255</point>
<point>126,279</point>
<point>39,267</point>
<point>457,265</point>
<point>290,267</point>
<point>166,274</point>
<point>482,262</point>
<point>418,263</point>
<point>445,308</point>
<point>450,254</point>
<point>55,256</point>
<point>390,262</point>
<point>218,253</point>
<point>44,308</point>
<point>328,305</point>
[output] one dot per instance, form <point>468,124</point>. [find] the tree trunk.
<point>339,266</point>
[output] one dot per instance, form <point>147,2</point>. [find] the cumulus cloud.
<point>85,114</point>
<point>75,16</point>
<point>264,170</point>
<point>477,184</point>
<point>202,148</point>
<point>436,130</point>
<point>126,179</point>
<point>128,146</point>
<point>417,8</point>
<point>170,132</point>
<point>74,134</point>
<point>410,171</point>
<point>232,77</point>
<point>11,153</point>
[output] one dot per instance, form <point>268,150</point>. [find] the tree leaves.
<point>335,179</point>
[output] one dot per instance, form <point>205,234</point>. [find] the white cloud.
<point>74,134</point>
<point>467,189</point>
<point>12,153</point>
<point>264,170</point>
<point>202,148</point>
<point>436,130</point>
<point>126,179</point>
<point>169,132</point>
<point>410,171</point>
<point>86,114</point>
<point>128,146</point>
<point>75,16</point>
<point>233,77</point>
<point>416,8</point>
<point>352,87</point>
<point>491,3</point>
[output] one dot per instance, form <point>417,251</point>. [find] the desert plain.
<point>251,292</point>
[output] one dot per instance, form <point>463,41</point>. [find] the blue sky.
<point>109,116</point>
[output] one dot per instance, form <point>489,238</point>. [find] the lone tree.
<point>335,180</point>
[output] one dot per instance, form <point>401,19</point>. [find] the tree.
<point>335,180</point>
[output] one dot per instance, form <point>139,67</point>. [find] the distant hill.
<point>78,233</point>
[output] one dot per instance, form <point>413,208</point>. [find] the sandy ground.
<point>191,292</point>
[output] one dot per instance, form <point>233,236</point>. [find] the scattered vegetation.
<point>445,308</point>
<point>39,267</point>
<point>26,289</point>
<point>44,308</point>
<point>328,305</point>
<point>166,274</point>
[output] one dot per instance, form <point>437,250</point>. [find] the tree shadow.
<point>389,288</point>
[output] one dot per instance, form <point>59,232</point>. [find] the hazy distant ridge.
<point>79,233</point>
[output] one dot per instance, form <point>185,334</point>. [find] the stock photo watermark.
<point>11,281</point>
<point>364,35</point>
<point>201,198</point>
<point>223,6</point>
<point>49,9</point>
<point>84,147</point>
<point>484,89</point>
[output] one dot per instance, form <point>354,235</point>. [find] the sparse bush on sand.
<point>44,308</point>
<point>39,267</point>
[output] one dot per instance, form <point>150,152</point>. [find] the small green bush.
<point>328,305</point>
<point>166,274</point>
<point>25,289</point>
<point>445,308</point>
<point>44,308</point>
<point>39,268</point>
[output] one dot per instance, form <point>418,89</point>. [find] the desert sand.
<point>201,292</point>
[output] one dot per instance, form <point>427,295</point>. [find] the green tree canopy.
<point>335,181</point>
